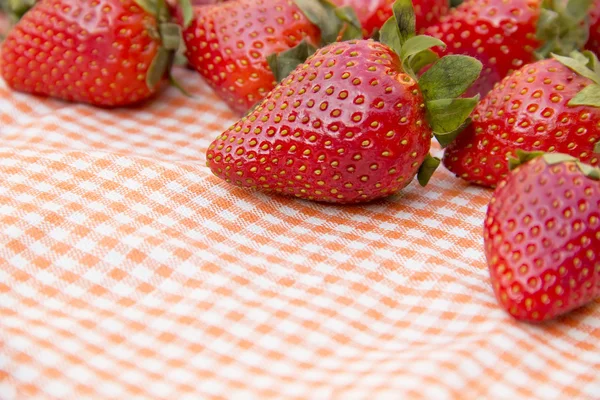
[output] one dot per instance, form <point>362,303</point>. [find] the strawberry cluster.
<point>339,101</point>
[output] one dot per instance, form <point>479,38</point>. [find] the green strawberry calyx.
<point>523,157</point>
<point>16,8</point>
<point>563,26</point>
<point>585,64</point>
<point>442,85</point>
<point>335,23</point>
<point>169,34</point>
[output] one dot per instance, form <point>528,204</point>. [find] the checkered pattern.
<point>130,272</point>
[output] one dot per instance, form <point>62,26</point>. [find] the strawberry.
<point>542,236</point>
<point>373,13</point>
<point>353,123</point>
<point>593,43</point>
<point>228,45</point>
<point>550,106</point>
<point>507,34</point>
<point>103,52</point>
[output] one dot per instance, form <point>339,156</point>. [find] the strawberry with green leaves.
<point>552,106</point>
<point>372,14</point>
<point>353,123</point>
<point>505,35</point>
<point>103,52</point>
<point>542,236</point>
<point>228,43</point>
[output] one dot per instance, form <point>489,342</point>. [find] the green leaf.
<point>390,35</point>
<point>175,83</point>
<point>447,116</point>
<point>426,170</point>
<point>158,67</point>
<point>562,27</point>
<point>556,158</point>
<point>578,9</point>
<point>352,28</point>
<point>589,96</point>
<point>592,62</point>
<point>17,8</point>
<point>456,3</point>
<point>187,10</point>
<point>417,44</point>
<point>170,34</point>
<point>449,77</point>
<point>147,5</point>
<point>579,57</point>
<point>597,148</point>
<point>405,18</point>
<point>522,158</point>
<point>323,17</point>
<point>375,35</point>
<point>284,63</point>
<point>589,171</point>
<point>422,59</point>
<point>578,66</point>
<point>445,139</point>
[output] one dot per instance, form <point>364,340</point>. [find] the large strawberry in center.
<point>352,123</point>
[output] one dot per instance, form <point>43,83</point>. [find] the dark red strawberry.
<point>103,52</point>
<point>373,13</point>
<point>593,43</point>
<point>507,34</point>
<point>542,237</point>
<point>545,106</point>
<point>352,124</point>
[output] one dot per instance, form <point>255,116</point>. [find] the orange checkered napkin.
<point>128,271</point>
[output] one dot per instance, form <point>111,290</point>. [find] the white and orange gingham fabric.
<point>128,271</point>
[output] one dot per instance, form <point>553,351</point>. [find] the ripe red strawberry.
<point>540,107</point>
<point>507,34</point>
<point>229,43</point>
<point>593,43</point>
<point>103,52</point>
<point>373,13</point>
<point>542,237</point>
<point>352,124</point>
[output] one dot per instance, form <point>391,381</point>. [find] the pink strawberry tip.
<point>334,23</point>
<point>169,34</point>
<point>523,157</point>
<point>442,85</point>
<point>563,26</point>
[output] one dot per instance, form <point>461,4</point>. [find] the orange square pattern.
<point>128,271</point>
